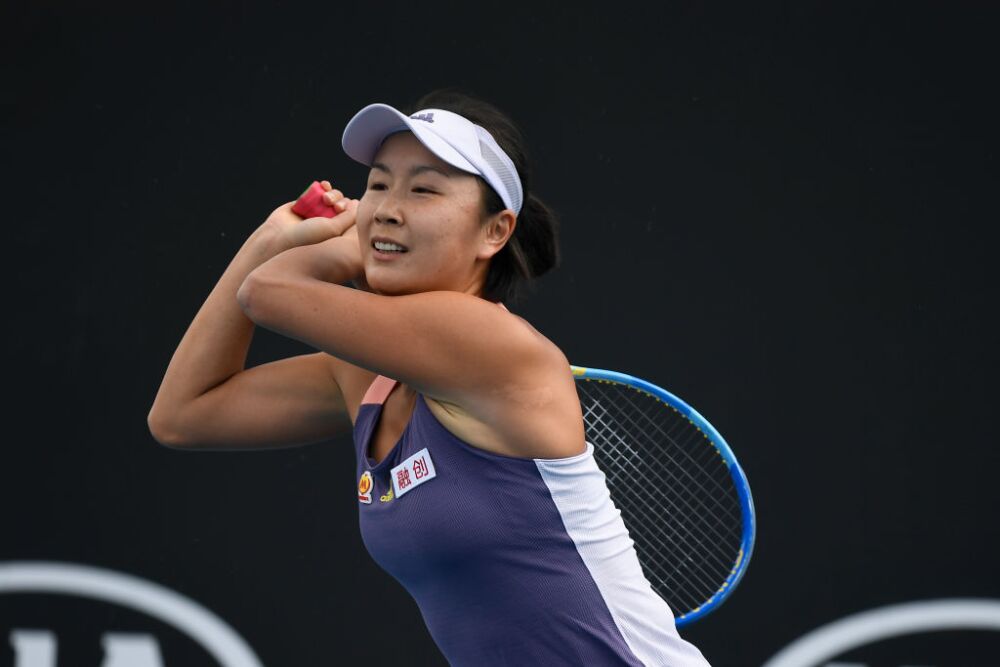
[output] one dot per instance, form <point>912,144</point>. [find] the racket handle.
<point>310,203</point>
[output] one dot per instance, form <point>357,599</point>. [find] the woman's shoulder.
<point>534,413</point>
<point>545,346</point>
<point>493,326</point>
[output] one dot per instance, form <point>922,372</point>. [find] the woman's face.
<point>432,215</point>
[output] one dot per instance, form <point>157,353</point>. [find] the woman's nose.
<point>387,210</point>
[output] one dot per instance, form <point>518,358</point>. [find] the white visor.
<point>453,138</point>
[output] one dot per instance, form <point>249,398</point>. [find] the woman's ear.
<point>496,232</point>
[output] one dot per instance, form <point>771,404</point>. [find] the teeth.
<point>388,247</point>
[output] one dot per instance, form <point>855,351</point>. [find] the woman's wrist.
<point>267,242</point>
<point>336,260</point>
<point>323,248</point>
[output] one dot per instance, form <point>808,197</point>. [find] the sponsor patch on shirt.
<point>412,472</point>
<point>365,487</point>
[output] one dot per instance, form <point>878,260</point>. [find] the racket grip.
<point>310,203</point>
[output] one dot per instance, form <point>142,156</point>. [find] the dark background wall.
<point>783,213</point>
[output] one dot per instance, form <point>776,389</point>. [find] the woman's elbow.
<point>260,295</point>
<point>164,431</point>
<point>245,294</point>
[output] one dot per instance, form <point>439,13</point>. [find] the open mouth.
<point>387,246</point>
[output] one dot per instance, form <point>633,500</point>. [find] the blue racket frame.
<point>739,481</point>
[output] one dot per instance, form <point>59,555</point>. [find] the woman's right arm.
<point>207,399</point>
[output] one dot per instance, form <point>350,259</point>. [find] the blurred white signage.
<point>38,647</point>
<point>822,646</point>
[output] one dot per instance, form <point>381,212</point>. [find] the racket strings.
<point>679,426</point>
<point>693,575</point>
<point>653,510</point>
<point>675,492</point>
<point>653,543</point>
<point>693,438</point>
<point>651,547</point>
<point>711,513</point>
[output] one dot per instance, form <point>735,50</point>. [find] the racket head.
<point>714,587</point>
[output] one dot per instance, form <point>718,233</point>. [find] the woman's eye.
<point>383,186</point>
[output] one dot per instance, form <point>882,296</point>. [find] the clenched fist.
<point>290,231</point>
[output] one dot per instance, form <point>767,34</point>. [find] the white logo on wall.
<point>817,648</point>
<point>37,647</point>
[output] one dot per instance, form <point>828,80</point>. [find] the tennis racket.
<point>683,496</point>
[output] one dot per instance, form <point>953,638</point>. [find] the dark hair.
<point>533,248</point>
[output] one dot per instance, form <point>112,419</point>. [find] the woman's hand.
<point>287,230</point>
<point>326,249</point>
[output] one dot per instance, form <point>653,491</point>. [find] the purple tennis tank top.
<point>512,561</point>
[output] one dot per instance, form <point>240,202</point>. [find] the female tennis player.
<point>476,488</point>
